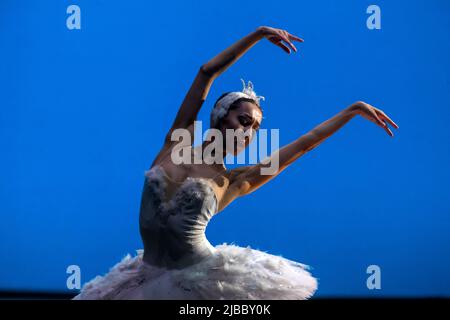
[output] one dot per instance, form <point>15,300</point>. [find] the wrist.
<point>354,108</point>
<point>260,31</point>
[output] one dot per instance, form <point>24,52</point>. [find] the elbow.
<point>207,71</point>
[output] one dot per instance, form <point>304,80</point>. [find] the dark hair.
<point>234,105</point>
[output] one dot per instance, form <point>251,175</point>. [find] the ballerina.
<point>178,200</point>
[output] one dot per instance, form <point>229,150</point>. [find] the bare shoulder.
<point>176,137</point>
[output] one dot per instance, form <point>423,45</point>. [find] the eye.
<point>245,121</point>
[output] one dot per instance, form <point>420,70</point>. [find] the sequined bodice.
<point>173,228</point>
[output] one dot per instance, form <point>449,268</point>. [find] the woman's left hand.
<point>375,115</point>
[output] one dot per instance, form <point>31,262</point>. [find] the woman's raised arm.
<point>248,179</point>
<point>199,89</point>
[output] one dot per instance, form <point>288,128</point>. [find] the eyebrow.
<point>251,117</point>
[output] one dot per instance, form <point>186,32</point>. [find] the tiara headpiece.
<point>222,106</point>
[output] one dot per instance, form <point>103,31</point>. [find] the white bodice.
<point>173,229</point>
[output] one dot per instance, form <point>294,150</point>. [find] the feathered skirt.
<point>231,273</point>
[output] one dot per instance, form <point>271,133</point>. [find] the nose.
<point>247,140</point>
<point>249,136</point>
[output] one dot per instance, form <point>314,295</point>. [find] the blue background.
<point>84,112</point>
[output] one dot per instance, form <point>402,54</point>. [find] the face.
<point>245,119</point>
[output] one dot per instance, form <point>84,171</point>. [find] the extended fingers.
<point>284,47</point>
<point>383,125</point>
<point>386,128</point>
<point>385,117</point>
<point>279,43</point>
<point>291,36</point>
<point>380,120</point>
<point>276,36</point>
<point>285,36</point>
<point>377,118</point>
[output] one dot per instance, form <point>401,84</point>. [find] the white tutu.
<point>232,272</point>
<point>178,262</point>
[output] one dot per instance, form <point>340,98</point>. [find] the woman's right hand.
<point>375,115</point>
<point>277,36</point>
